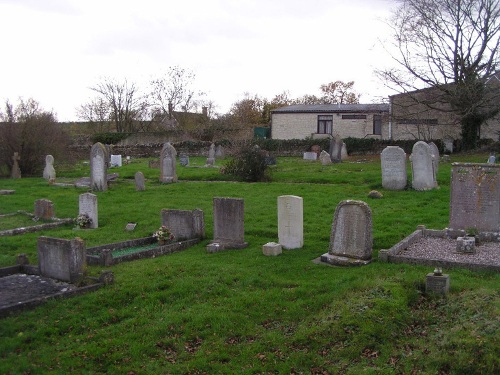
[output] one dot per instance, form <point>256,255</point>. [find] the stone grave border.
<point>103,255</point>
<point>29,269</point>
<point>34,228</point>
<point>394,254</point>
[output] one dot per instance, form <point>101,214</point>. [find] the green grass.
<point>241,312</point>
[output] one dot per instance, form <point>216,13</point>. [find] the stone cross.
<point>16,171</point>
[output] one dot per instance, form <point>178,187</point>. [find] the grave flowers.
<point>83,221</point>
<point>163,235</point>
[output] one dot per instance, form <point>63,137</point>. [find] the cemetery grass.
<point>241,312</point>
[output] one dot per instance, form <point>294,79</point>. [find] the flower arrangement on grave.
<point>83,221</point>
<point>163,235</point>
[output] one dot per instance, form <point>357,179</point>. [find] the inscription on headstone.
<point>393,160</point>
<point>475,197</point>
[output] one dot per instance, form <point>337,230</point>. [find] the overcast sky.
<point>54,50</point>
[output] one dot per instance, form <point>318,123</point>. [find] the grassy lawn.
<point>241,312</point>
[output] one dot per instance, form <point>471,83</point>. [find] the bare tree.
<point>96,112</point>
<point>451,47</point>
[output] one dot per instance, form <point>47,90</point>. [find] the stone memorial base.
<point>466,245</point>
<point>337,260</point>
<point>217,246</point>
<point>438,284</point>
<point>272,249</point>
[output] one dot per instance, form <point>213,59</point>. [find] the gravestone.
<point>88,206</point>
<point>98,167</point>
<point>219,152</point>
<point>435,157</point>
<point>290,221</point>
<point>184,160</point>
<point>393,160</point>
<point>324,157</point>
<point>116,160</point>
<point>49,173</point>
<point>60,259</point>
<point>423,176</point>
<point>448,145</point>
<point>475,197</point>
<point>184,224</point>
<point>211,155</point>
<point>229,226</point>
<point>139,181</point>
<point>272,249</point>
<point>437,283</point>
<point>351,236</point>
<point>492,159</point>
<point>16,171</point>
<point>335,150</point>
<point>167,164</point>
<point>343,152</point>
<point>44,209</point>
<point>310,155</point>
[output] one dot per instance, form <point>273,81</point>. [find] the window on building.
<point>377,124</point>
<point>325,124</point>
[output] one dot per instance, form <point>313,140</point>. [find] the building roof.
<point>332,108</point>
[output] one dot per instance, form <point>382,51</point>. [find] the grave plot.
<point>26,222</point>
<point>148,247</point>
<point>445,248</point>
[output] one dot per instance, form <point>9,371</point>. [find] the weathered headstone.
<point>184,160</point>
<point>290,221</point>
<point>435,157</point>
<point>61,259</point>
<point>211,155</point>
<point>324,157</point>
<point>88,206</point>
<point>310,155</point>
<point>49,173</point>
<point>492,159</point>
<point>393,160</point>
<point>219,152</point>
<point>98,167</point>
<point>184,224</point>
<point>44,209</point>
<point>229,225</point>
<point>343,152</point>
<point>475,197</point>
<point>168,155</point>
<point>116,160</point>
<point>351,236</point>
<point>422,167</point>
<point>16,171</point>
<point>335,150</point>
<point>139,181</point>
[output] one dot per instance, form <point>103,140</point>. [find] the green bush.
<point>248,165</point>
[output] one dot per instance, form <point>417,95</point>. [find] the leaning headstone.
<point>60,259</point>
<point>351,236</point>
<point>88,206</point>
<point>343,152</point>
<point>184,224</point>
<point>116,160</point>
<point>422,167</point>
<point>168,155</point>
<point>211,155</point>
<point>98,167</point>
<point>229,225</point>
<point>16,171</point>
<point>310,155</point>
<point>435,157</point>
<point>139,181</point>
<point>290,221</point>
<point>475,197</point>
<point>393,160</point>
<point>49,173</point>
<point>184,160</point>
<point>335,150</point>
<point>324,157</point>
<point>44,209</point>
<point>219,152</point>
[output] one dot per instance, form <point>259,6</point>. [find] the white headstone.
<point>49,173</point>
<point>393,159</point>
<point>116,160</point>
<point>422,167</point>
<point>324,157</point>
<point>290,221</point>
<point>435,157</point>
<point>343,152</point>
<point>88,206</point>
<point>167,163</point>
<point>98,167</point>
<point>211,155</point>
<point>310,155</point>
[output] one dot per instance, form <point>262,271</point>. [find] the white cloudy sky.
<point>54,50</point>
